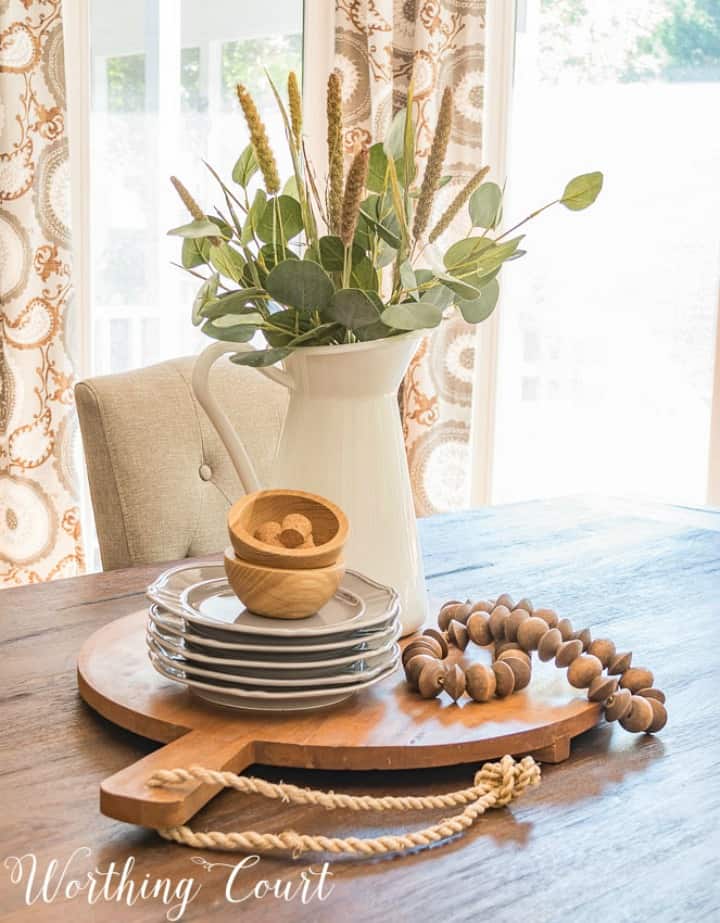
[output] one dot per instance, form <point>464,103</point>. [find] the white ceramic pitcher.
<point>342,438</point>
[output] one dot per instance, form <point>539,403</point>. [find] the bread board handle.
<point>126,795</point>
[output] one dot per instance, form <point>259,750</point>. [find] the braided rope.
<point>494,786</point>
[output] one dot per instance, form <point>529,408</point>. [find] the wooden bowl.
<point>329,524</point>
<point>279,592</point>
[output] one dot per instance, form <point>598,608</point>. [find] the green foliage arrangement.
<point>358,261</point>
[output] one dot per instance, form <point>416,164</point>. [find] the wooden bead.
<point>478,629</point>
<point>505,600</point>
<point>497,620</point>
<point>636,678</point>
<point>565,628</point>
<point>421,646</point>
<point>453,611</point>
<point>415,665</point>
<point>620,664</point>
<point>549,616</point>
<point>567,652</point>
<point>515,619</point>
<point>549,643</point>
<point>504,679</point>
<point>602,687</point>
<point>583,670</point>
<point>480,682</point>
<point>502,646</point>
<point>618,705</point>
<point>660,716</point>
<point>524,604</point>
<point>652,694</point>
<point>640,715</point>
<point>457,634</point>
<point>430,680</point>
<point>511,652</point>
<point>484,605</point>
<point>604,650</point>
<point>530,631</point>
<point>522,671</point>
<point>453,681</point>
<point>440,638</point>
<point>584,636</point>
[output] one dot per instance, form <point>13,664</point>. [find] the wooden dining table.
<point>626,829</point>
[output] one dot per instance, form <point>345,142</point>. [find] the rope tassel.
<point>494,786</point>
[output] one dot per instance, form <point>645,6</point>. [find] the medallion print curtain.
<point>379,44</point>
<point>39,516</point>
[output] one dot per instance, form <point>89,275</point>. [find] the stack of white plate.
<point>199,634</point>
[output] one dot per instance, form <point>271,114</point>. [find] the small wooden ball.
<point>430,680</point>
<point>511,652</point>
<point>483,605</point>
<point>640,715</point>
<point>415,665</point>
<point>636,678</point>
<point>620,664</point>
<point>478,629</point>
<point>618,705</point>
<point>525,604</point>
<point>549,616</point>
<point>458,612</point>
<point>458,634</point>
<point>296,529</point>
<point>602,687</point>
<point>504,679</point>
<point>269,533</point>
<point>652,694</point>
<point>453,681</point>
<point>660,716</point>
<point>515,619</point>
<point>566,629</point>
<point>440,638</point>
<point>480,682</point>
<point>497,620</point>
<point>505,600</point>
<point>549,644</point>
<point>583,670</point>
<point>530,631</point>
<point>604,650</point>
<point>522,671</point>
<point>567,652</point>
<point>584,636</point>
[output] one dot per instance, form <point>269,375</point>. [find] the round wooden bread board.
<point>385,727</point>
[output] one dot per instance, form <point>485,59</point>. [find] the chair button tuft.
<point>205,472</point>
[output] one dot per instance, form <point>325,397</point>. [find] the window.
<point>163,76</point>
<point>608,324</point>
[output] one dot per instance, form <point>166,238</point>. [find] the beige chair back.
<point>160,480</point>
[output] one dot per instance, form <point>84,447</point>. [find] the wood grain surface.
<point>626,828</point>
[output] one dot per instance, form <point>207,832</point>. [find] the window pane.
<point>163,83</point>
<point>608,324</point>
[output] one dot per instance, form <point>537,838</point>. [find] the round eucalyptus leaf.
<point>200,227</point>
<point>245,167</point>
<point>206,294</point>
<point>281,224</point>
<point>582,191</point>
<point>332,254</point>
<point>481,308</point>
<point>353,308</point>
<point>485,205</point>
<point>260,358</point>
<point>416,315</point>
<point>300,284</point>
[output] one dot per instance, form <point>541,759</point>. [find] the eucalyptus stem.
<point>525,220</point>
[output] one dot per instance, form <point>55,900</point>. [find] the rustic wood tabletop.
<point>627,829</point>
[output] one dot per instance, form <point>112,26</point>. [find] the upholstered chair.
<point>161,482</point>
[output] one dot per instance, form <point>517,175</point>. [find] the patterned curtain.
<point>39,517</point>
<point>378,45</point>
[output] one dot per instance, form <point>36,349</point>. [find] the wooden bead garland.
<point>514,630</point>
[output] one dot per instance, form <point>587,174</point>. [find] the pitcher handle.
<point>218,417</point>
